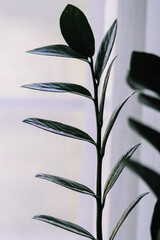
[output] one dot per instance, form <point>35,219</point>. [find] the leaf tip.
<point>137,145</point>
<point>25,120</point>
<point>24,86</point>
<point>143,194</point>
<point>29,51</point>
<point>39,175</point>
<point>35,217</point>
<point>28,120</point>
<point>115,22</point>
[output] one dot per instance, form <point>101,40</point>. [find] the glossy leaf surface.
<point>116,171</point>
<point>151,135</point>
<point>155,224</point>
<point>60,88</point>
<point>105,84</point>
<point>77,31</point>
<point>111,123</point>
<point>149,176</point>
<point>75,186</point>
<point>58,51</point>
<point>65,225</point>
<point>60,129</point>
<point>153,102</point>
<point>105,50</point>
<point>125,214</point>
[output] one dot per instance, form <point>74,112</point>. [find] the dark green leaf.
<point>144,71</point>
<point>155,224</point>
<point>65,225</point>
<point>67,183</point>
<point>58,51</point>
<point>151,135</point>
<point>60,87</point>
<point>149,176</point>
<point>125,214</point>
<point>105,50</point>
<point>116,171</point>
<point>105,84</point>
<point>59,128</point>
<point>77,31</point>
<point>150,101</point>
<point>111,123</point>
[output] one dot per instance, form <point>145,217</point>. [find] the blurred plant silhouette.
<point>144,74</point>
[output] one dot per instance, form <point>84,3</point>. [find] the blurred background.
<point>26,151</point>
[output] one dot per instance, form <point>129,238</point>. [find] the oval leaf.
<point>58,51</point>
<point>149,176</point>
<point>65,225</point>
<point>105,50</point>
<point>67,183</point>
<point>150,101</point>
<point>77,31</point>
<point>105,84</point>
<point>151,135</point>
<point>60,88</point>
<point>111,123</point>
<point>125,214</point>
<point>116,171</point>
<point>60,129</point>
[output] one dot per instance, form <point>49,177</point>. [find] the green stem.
<point>99,158</point>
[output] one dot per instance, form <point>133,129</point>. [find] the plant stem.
<point>99,158</point>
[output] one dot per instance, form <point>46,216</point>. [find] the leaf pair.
<point>83,232</point>
<point>79,36</point>
<point>72,132</point>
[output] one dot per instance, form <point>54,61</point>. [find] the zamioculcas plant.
<point>81,45</point>
<point>144,74</point>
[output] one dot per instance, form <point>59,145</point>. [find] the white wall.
<point>25,150</point>
<point>138,29</point>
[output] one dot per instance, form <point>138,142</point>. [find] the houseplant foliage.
<point>81,45</point>
<point>144,74</point>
